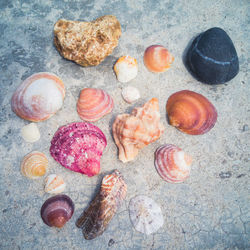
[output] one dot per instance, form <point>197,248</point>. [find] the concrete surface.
<point>211,209</point>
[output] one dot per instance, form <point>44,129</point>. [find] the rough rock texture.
<point>211,209</point>
<point>212,57</point>
<point>87,43</point>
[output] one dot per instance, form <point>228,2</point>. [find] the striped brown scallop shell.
<point>93,104</point>
<point>101,210</point>
<point>39,97</point>
<point>190,112</point>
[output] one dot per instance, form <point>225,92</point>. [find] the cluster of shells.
<point>78,146</point>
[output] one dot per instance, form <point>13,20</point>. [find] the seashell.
<point>93,104</point>
<point>157,58</point>
<point>145,214</point>
<point>135,131</point>
<point>126,68</point>
<point>39,97</point>
<point>101,210</point>
<point>190,112</point>
<point>57,210</point>
<point>54,184</point>
<point>172,163</point>
<point>78,147</point>
<point>34,165</point>
<point>30,132</point>
<point>130,94</point>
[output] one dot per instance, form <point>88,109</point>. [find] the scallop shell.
<point>93,104</point>
<point>95,219</point>
<point>39,97</point>
<point>78,147</point>
<point>190,112</point>
<point>157,58</point>
<point>34,165</point>
<point>57,210</point>
<point>130,94</point>
<point>54,184</point>
<point>30,132</point>
<point>126,68</point>
<point>172,163</point>
<point>135,131</point>
<point>145,214</point>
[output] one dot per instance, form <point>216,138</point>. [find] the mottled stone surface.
<point>211,209</point>
<point>87,43</point>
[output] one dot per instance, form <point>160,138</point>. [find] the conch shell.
<point>135,131</point>
<point>39,97</point>
<point>34,165</point>
<point>172,163</point>
<point>93,104</point>
<point>101,210</point>
<point>190,112</point>
<point>78,147</point>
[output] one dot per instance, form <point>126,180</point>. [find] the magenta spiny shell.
<point>57,210</point>
<point>78,147</point>
<point>172,164</point>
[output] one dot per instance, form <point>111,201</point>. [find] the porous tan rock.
<point>87,43</point>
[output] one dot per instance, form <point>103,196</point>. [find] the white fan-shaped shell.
<point>130,94</point>
<point>54,184</point>
<point>145,214</point>
<point>30,132</point>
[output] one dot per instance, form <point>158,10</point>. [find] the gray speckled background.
<point>211,209</point>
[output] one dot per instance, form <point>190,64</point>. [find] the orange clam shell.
<point>191,112</point>
<point>157,58</point>
<point>38,97</point>
<point>93,104</point>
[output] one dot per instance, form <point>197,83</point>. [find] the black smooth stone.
<point>212,57</point>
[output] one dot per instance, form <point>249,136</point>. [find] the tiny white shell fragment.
<point>30,132</point>
<point>126,69</point>
<point>145,214</point>
<point>54,184</point>
<point>130,94</point>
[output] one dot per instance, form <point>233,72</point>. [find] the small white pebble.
<point>130,94</point>
<point>30,132</point>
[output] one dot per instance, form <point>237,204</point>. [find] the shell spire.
<point>101,210</point>
<point>135,131</point>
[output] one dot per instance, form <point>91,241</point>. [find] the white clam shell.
<point>30,132</point>
<point>145,214</point>
<point>130,94</point>
<point>54,184</point>
<point>126,69</point>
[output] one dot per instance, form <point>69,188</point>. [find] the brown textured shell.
<point>135,131</point>
<point>101,210</point>
<point>87,43</point>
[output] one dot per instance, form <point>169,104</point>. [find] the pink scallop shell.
<point>78,147</point>
<point>93,104</point>
<point>38,97</point>
<point>172,164</point>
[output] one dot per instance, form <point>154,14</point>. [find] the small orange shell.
<point>39,97</point>
<point>157,58</point>
<point>34,165</point>
<point>172,163</point>
<point>93,104</point>
<point>54,184</point>
<point>190,112</point>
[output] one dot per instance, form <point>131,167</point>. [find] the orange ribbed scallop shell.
<point>93,104</point>
<point>157,58</point>
<point>38,97</point>
<point>34,165</point>
<point>190,112</point>
<point>135,131</point>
